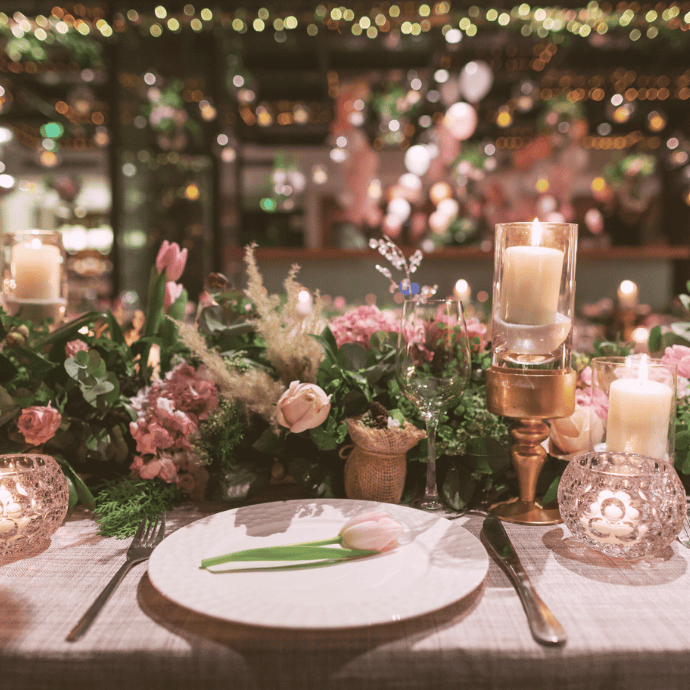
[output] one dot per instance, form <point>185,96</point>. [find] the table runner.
<point>628,627</point>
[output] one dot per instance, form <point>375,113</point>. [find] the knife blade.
<point>542,623</point>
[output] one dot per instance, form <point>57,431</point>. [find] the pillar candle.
<point>36,268</point>
<point>531,283</point>
<point>639,417</point>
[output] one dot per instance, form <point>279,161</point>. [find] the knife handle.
<point>543,624</point>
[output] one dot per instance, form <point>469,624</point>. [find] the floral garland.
<point>256,392</point>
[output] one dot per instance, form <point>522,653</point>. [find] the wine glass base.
<point>431,505</point>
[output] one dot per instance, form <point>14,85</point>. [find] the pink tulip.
<point>302,406</point>
<point>172,292</point>
<point>171,260</point>
<point>375,531</point>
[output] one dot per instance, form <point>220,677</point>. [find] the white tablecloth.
<point>628,628</point>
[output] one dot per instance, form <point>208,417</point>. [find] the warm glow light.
<point>628,287</point>
<point>598,184</point>
<point>640,335</point>
<point>191,192</point>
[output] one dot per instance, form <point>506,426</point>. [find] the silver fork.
<point>145,541</point>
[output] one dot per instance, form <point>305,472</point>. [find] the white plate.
<point>437,563</point>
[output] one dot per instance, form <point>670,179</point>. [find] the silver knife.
<point>543,624</point>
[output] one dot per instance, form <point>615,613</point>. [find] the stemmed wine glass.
<point>433,370</point>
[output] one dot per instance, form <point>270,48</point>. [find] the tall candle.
<point>463,292</point>
<point>639,416</point>
<point>628,295</point>
<point>531,282</point>
<point>36,270</point>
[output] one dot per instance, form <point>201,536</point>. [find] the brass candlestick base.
<point>531,397</point>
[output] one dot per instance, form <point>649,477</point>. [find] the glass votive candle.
<point>634,398</point>
<point>533,294</point>
<point>33,503</point>
<point>622,504</point>
<point>34,282</point>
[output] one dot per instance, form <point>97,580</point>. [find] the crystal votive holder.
<point>622,504</point>
<point>33,503</point>
<point>34,281</point>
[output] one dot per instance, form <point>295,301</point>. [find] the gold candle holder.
<point>530,397</point>
<point>531,378</point>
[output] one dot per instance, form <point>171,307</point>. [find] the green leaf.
<point>352,356</point>
<point>458,486</point>
<point>287,553</point>
<point>73,496</point>
<point>551,492</point>
<point>85,496</point>
<point>7,368</point>
<point>654,342</point>
<point>685,301</point>
<point>682,440</point>
<point>70,330</point>
<point>7,403</point>
<point>269,442</point>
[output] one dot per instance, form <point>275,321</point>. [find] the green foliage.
<point>121,505</point>
<point>220,434</point>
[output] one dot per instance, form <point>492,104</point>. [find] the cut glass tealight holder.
<point>34,497</point>
<point>622,504</point>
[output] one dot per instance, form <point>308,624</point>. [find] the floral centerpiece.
<point>253,393</point>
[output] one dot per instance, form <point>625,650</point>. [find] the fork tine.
<point>140,531</point>
<point>161,531</point>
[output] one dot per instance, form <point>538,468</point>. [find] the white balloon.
<point>476,80</point>
<point>417,159</point>
<point>461,120</point>
<point>399,208</point>
<point>448,208</point>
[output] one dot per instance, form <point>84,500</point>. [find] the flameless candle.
<point>36,270</point>
<point>639,415</point>
<point>531,282</point>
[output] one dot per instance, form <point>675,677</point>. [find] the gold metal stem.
<point>530,397</point>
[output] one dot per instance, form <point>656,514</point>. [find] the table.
<point>628,628</point>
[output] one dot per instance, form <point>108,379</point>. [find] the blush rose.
<point>303,406</point>
<point>38,424</point>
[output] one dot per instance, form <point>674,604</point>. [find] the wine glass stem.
<point>431,493</point>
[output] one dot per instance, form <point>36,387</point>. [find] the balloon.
<point>399,208</point>
<point>450,91</point>
<point>476,80</point>
<point>448,208</point>
<point>417,159</point>
<point>461,120</point>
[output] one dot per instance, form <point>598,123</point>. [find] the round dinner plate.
<point>437,562</point>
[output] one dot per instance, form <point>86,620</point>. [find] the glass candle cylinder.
<point>33,503</point>
<point>533,295</point>
<point>634,398</point>
<point>622,504</point>
<point>34,280</point>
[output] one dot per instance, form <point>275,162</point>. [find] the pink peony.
<point>679,355</point>
<point>172,292</point>
<point>171,259</point>
<point>302,406</point>
<point>374,531</point>
<point>39,424</point>
<point>74,346</point>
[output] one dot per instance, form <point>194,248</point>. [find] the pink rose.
<point>172,292</point>
<point>303,406</point>
<point>171,260</point>
<point>74,346</point>
<point>680,355</point>
<point>579,432</point>
<point>375,531</point>
<point>39,424</point>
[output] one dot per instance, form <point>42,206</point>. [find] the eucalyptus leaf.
<point>352,356</point>
<point>458,486</point>
<point>654,342</point>
<point>85,496</point>
<point>551,492</point>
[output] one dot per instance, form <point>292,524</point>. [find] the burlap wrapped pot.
<point>376,467</point>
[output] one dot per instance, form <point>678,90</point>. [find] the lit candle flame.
<point>36,243</point>
<point>627,287</point>
<point>643,371</point>
<point>535,236</point>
